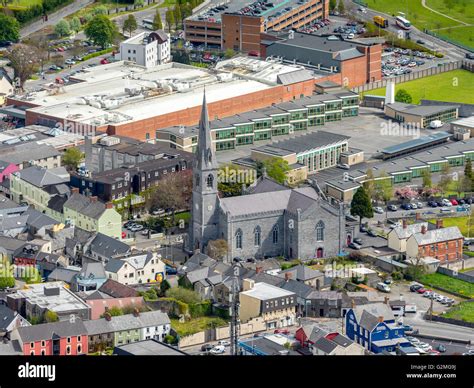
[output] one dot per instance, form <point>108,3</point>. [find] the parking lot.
<point>397,61</point>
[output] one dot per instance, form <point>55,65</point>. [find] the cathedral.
<point>269,220</point>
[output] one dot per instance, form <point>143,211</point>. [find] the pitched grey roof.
<point>317,332</point>
<point>265,185</point>
<point>438,235</point>
<point>10,244</point>
<point>114,265</point>
<point>256,203</point>
<point>294,77</point>
<point>7,316</point>
<point>47,331</point>
<point>83,205</point>
<point>149,347</point>
<point>368,315</point>
<point>126,322</point>
<point>325,345</point>
<point>39,220</point>
<point>300,289</point>
<point>403,233</point>
<point>104,245</point>
<point>92,270</point>
<point>63,274</point>
<point>28,151</point>
<point>302,272</point>
<point>8,223</point>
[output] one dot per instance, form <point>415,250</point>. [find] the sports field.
<point>461,29</point>
<point>452,86</point>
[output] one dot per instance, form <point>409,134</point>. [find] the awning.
<point>14,111</point>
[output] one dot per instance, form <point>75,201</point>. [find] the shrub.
<point>184,295</point>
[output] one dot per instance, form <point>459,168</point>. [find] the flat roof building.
<point>420,116</point>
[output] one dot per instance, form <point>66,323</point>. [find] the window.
<point>32,345</point>
<point>257,236</point>
<point>43,353</point>
<point>238,239</point>
<point>275,234</point>
<point>210,181</point>
<point>79,348</point>
<point>68,349</point>
<point>43,344</point>
<point>78,338</point>
<point>320,231</point>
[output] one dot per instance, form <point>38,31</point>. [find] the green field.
<point>423,18</point>
<point>460,222</point>
<point>16,4</point>
<point>196,325</point>
<point>452,86</point>
<point>448,283</point>
<point>463,311</point>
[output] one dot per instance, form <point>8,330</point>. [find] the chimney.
<point>353,303</point>
<point>93,198</point>
<point>259,269</point>
<point>380,319</point>
<point>247,284</point>
<point>74,190</point>
<point>439,224</point>
<point>417,216</point>
<point>386,300</point>
<point>107,316</point>
<point>136,312</point>
<point>404,223</point>
<point>288,276</point>
<point>109,205</point>
<point>423,229</point>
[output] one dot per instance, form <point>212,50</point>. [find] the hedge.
<point>98,53</point>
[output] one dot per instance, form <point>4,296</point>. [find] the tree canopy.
<point>361,206</point>
<point>130,24</point>
<point>101,31</point>
<point>403,96</point>
<point>62,28</point>
<point>9,28</point>
<point>276,169</point>
<point>72,157</point>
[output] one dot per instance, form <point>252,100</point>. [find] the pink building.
<point>6,169</point>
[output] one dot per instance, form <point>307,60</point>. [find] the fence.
<point>446,39</point>
<point>438,318</point>
<point>457,275</point>
<point>410,77</point>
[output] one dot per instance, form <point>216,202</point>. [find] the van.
<point>383,287</point>
<point>436,124</point>
<point>410,308</point>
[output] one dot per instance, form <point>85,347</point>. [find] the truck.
<point>380,21</point>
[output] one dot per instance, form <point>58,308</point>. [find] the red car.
<point>124,235</point>
<point>281,331</point>
<point>421,290</point>
<point>454,202</point>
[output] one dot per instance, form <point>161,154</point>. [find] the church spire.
<point>205,151</point>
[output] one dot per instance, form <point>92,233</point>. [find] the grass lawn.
<point>463,311</point>
<point>422,17</point>
<point>452,86</point>
<point>448,283</point>
<point>460,222</point>
<point>17,4</point>
<point>196,325</point>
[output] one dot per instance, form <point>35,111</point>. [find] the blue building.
<point>90,278</point>
<point>374,327</point>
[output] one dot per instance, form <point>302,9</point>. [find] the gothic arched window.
<point>320,231</point>
<point>238,239</point>
<point>257,236</point>
<point>275,234</point>
<point>210,180</point>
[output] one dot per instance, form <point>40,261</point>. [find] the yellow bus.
<point>381,21</point>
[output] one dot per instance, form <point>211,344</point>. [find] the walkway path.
<point>423,3</point>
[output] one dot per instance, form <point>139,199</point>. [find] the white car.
<point>350,36</point>
<point>414,340</point>
<point>219,349</point>
<point>344,166</point>
<point>424,346</point>
<point>378,210</point>
<point>383,287</point>
<point>224,343</point>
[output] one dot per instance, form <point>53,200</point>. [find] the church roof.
<point>265,184</point>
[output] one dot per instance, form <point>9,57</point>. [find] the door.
<point>319,253</point>
<point>349,239</point>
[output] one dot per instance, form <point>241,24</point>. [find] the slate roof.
<point>403,233</point>
<point>107,246</point>
<point>7,316</point>
<point>39,220</point>
<point>317,332</point>
<point>368,315</point>
<point>26,152</point>
<point>92,270</point>
<point>265,184</point>
<point>438,235</point>
<point>294,77</point>
<point>114,265</point>
<point>47,331</point>
<point>126,322</point>
<point>117,290</point>
<point>301,272</point>
<point>300,289</point>
<point>63,274</point>
<point>149,347</point>
<point>325,345</point>
<point>41,177</point>
<point>83,205</point>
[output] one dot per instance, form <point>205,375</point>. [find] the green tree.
<point>157,23</point>
<point>276,169</point>
<point>9,28</point>
<point>164,286</point>
<point>115,311</point>
<point>426,175</point>
<point>75,24</point>
<point>383,188</point>
<point>361,205</point>
<point>24,60</point>
<point>130,24</point>
<point>332,5</point>
<point>62,28</point>
<point>169,19</point>
<point>231,178</point>
<point>177,15</point>
<point>7,281</point>
<point>99,10</point>
<point>101,31</point>
<point>468,168</point>
<point>403,96</point>
<point>72,157</point>
<point>340,7</point>
<point>51,316</point>
<point>229,53</point>
<point>184,295</point>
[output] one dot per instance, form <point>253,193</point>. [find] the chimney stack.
<point>259,269</point>
<point>109,205</point>
<point>288,276</point>
<point>380,319</point>
<point>353,303</point>
<point>423,229</point>
<point>417,216</point>
<point>404,223</point>
<point>136,312</point>
<point>107,316</point>
<point>74,190</point>
<point>247,284</point>
<point>93,198</point>
<point>386,300</point>
<point>439,224</point>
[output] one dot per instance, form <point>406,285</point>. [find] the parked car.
<point>441,348</point>
<point>388,281</point>
<point>357,240</point>
<point>421,290</point>
<point>415,287</point>
<point>282,331</point>
<point>413,206</point>
<point>424,346</point>
<point>219,349</point>
<point>454,202</point>
<point>410,308</point>
<point>432,204</point>
<point>406,206</point>
<point>223,343</point>
<point>383,287</point>
<point>419,205</point>
<point>378,210</point>
<point>372,233</point>
<point>392,208</point>
<point>363,229</point>
<point>145,232</point>
<point>170,270</point>
<point>353,245</point>
<point>344,166</point>
<point>206,347</point>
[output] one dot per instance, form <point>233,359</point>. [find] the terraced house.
<point>109,331</point>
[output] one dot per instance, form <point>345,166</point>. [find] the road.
<point>54,17</point>
<point>451,52</point>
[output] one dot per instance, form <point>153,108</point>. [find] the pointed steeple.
<point>205,152</point>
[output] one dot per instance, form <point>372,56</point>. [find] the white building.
<point>141,268</point>
<point>146,49</point>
